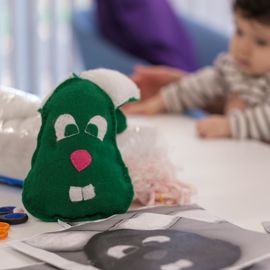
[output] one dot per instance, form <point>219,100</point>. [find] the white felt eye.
<point>97,126</point>
<point>118,252</point>
<point>65,126</point>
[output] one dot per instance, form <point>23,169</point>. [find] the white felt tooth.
<point>75,194</point>
<point>157,238</point>
<point>88,192</point>
<point>178,265</point>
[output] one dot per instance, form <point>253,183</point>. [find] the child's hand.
<point>214,127</point>
<point>151,78</point>
<point>150,106</point>
<point>235,102</point>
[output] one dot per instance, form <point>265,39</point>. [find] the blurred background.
<point>42,41</point>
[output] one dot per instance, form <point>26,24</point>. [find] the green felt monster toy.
<point>77,171</point>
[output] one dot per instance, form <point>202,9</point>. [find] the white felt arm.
<point>117,85</point>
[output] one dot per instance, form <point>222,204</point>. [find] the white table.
<point>232,180</point>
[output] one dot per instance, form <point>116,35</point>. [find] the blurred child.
<point>240,78</point>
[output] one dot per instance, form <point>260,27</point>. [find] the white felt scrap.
<point>117,85</point>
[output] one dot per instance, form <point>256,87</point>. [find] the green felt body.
<point>121,121</point>
<point>46,187</point>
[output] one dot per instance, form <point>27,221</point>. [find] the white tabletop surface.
<point>232,179</point>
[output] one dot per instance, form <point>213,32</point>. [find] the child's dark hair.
<point>258,10</point>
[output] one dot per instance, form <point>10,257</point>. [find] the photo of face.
<point>153,240</point>
<point>159,249</point>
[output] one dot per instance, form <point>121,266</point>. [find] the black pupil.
<point>92,129</point>
<point>71,129</point>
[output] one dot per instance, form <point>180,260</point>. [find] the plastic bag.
<point>152,173</point>
<point>19,125</point>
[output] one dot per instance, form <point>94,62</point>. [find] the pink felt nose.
<point>80,159</point>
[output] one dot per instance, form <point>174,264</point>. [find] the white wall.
<point>36,44</point>
<point>215,13</point>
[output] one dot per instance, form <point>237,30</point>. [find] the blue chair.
<point>97,52</point>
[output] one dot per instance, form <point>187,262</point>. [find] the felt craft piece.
<point>121,121</point>
<point>77,170</point>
